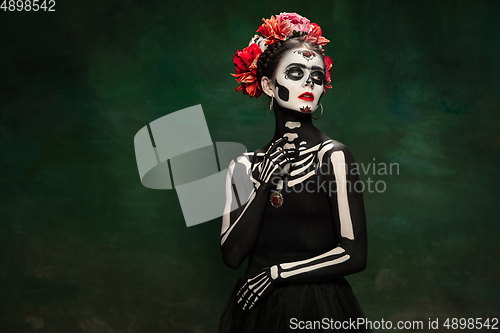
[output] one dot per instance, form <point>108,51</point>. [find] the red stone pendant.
<point>276,199</point>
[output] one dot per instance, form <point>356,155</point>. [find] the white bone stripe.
<point>245,161</point>
<point>337,250</point>
<point>274,272</point>
<point>292,124</point>
<point>262,286</point>
<point>256,283</point>
<point>258,275</point>
<point>267,285</point>
<point>229,190</point>
<point>285,169</point>
<point>235,222</point>
<point>285,275</point>
<point>304,160</point>
<point>314,148</point>
<point>299,170</point>
<point>339,167</point>
<point>243,295</point>
<point>322,152</point>
<point>291,136</point>
<point>229,196</point>
<point>301,179</point>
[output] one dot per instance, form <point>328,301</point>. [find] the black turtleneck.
<point>306,132</point>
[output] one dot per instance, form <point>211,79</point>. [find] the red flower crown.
<point>283,27</point>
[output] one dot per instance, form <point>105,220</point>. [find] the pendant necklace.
<point>276,197</point>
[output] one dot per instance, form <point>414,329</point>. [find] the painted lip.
<point>307,96</point>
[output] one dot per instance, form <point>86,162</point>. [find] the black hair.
<point>269,59</point>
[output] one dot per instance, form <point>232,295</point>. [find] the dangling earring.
<point>320,113</point>
<point>271,104</point>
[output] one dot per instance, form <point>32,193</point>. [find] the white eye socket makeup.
<point>296,73</point>
<point>299,80</point>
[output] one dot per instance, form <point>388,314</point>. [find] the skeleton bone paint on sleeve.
<point>347,258</point>
<point>247,186</point>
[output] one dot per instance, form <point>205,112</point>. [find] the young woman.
<point>292,206</point>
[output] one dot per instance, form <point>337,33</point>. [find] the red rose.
<point>241,66</point>
<point>246,70</point>
<point>328,67</point>
<point>328,74</point>
<point>244,60</point>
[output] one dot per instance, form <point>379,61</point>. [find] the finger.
<point>282,161</point>
<point>241,289</point>
<point>285,153</point>
<point>250,301</point>
<point>257,294</point>
<point>247,303</point>
<point>242,297</point>
<point>275,171</point>
<point>277,144</point>
<point>260,289</point>
<point>264,289</point>
<point>267,166</point>
<point>287,156</point>
<point>280,142</point>
<point>277,157</point>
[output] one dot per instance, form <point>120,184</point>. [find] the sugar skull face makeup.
<point>298,84</point>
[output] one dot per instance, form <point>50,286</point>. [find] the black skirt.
<point>310,307</point>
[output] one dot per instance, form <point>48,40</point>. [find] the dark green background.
<point>84,247</point>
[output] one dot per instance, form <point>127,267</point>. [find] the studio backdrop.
<point>86,247</point>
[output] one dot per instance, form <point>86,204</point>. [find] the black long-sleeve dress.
<point>315,238</point>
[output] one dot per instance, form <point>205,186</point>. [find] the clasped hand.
<point>257,288</point>
<point>274,160</point>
